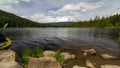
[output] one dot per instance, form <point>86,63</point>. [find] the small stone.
<point>89,64</point>
<point>67,55</point>
<point>72,56</point>
<point>76,66</point>
<point>84,54</point>
<point>49,53</point>
<point>106,56</point>
<point>90,51</point>
<point>110,66</point>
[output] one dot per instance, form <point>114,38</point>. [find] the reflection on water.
<point>65,37</point>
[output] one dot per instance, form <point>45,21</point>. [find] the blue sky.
<point>44,11</point>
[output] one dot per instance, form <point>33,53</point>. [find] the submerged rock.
<point>110,66</point>
<point>43,62</point>
<point>90,52</point>
<point>76,66</point>
<point>67,55</point>
<point>7,59</point>
<point>85,54</point>
<point>89,64</point>
<point>106,56</point>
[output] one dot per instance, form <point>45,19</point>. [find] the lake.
<point>52,38</point>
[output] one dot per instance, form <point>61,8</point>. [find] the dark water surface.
<point>52,38</point>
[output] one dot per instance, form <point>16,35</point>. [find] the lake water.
<point>52,38</point>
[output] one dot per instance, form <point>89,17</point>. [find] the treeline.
<point>111,21</point>
<point>16,21</point>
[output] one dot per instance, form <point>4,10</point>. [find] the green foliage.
<point>110,21</point>
<point>59,57</point>
<point>119,39</point>
<point>37,52</point>
<point>26,53</point>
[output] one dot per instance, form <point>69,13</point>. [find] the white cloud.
<point>7,8</point>
<point>71,8</point>
<point>6,5</point>
<point>24,16</point>
<point>64,18</point>
<point>45,19</point>
<point>12,1</point>
<point>40,18</point>
<point>26,0</point>
<point>8,1</point>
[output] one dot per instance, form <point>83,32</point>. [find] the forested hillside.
<point>111,21</point>
<point>16,21</point>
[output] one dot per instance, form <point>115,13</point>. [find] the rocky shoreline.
<point>75,58</point>
<point>92,58</point>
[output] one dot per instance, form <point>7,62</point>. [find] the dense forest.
<point>16,21</point>
<point>110,21</point>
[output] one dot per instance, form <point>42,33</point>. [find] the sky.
<point>47,11</point>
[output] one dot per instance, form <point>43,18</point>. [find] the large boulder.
<point>106,56</point>
<point>7,59</point>
<point>110,66</point>
<point>10,64</point>
<point>7,55</point>
<point>49,53</point>
<point>43,62</point>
